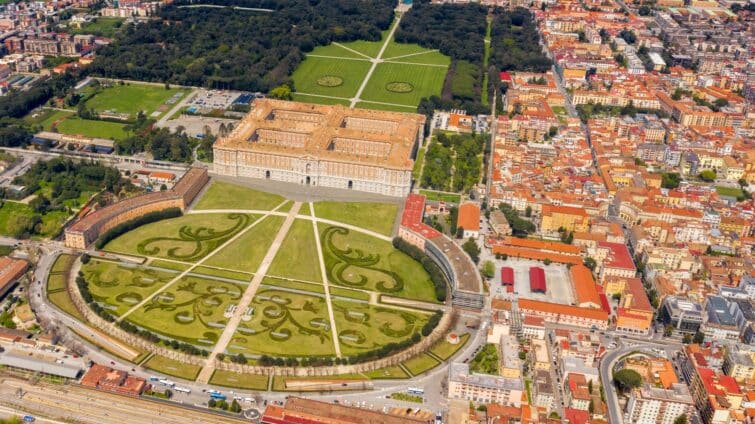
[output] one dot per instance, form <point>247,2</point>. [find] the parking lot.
<point>557,281</point>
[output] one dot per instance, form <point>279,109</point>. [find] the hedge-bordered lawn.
<point>246,252</point>
<point>170,367</point>
<point>426,81</point>
<point>224,195</point>
<point>378,217</point>
<point>297,257</point>
<point>309,73</point>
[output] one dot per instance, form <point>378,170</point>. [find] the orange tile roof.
<point>543,245</point>
<point>555,308</point>
<point>584,285</point>
<point>469,217</point>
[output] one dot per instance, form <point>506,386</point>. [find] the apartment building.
<point>653,405</point>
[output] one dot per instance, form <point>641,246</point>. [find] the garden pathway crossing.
<point>328,301</point>
<point>246,299</point>
<point>201,261</point>
<point>375,62</point>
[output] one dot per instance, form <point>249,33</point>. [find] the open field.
<point>74,125</point>
<point>241,381</point>
<point>103,26</point>
<point>57,278</point>
<point>246,252</point>
<point>284,324</point>
<point>187,238</point>
<point>223,195</point>
<point>413,53</point>
<point>297,256</point>
<point>171,367</point>
<point>357,260</point>
<point>133,98</point>
<point>378,217</point>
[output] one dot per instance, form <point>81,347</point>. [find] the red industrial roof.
<point>537,279</point>
<point>619,256</point>
<point>414,209</point>
<point>507,276</point>
<point>469,217</point>
<point>505,76</point>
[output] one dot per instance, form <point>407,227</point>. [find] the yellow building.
<point>569,218</point>
<point>326,146</point>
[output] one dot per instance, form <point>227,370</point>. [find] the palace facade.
<point>326,146</point>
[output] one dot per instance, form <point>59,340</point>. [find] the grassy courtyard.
<point>223,195</point>
<point>241,381</point>
<point>378,217</point>
<point>170,367</point>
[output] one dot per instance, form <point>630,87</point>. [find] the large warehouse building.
<point>324,146</point>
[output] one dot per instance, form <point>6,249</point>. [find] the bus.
<point>182,389</point>
<point>415,391</point>
<point>217,396</point>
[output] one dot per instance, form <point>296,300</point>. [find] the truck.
<point>182,389</point>
<point>166,382</point>
<point>218,396</point>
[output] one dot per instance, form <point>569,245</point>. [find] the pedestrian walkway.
<point>326,285</point>
<point>246,299</point>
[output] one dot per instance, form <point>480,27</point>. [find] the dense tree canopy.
<point>515,42</point>
<point>237,49</point>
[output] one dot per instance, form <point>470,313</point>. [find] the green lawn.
<point>297,256</point>
<point>363,327</point>
<point>222,273</point>
<point>296,285</point>
<point>359,261</point>
<point>418,164</point>
<point>133,98</point>
<point>241,381</point>
<point>223,195</point>
<point>311,76</point>
<point>351,294</point>
<point>735,192</point>
<point>440,196</point>
<point>246,252</point>
<point>420,364</point>
<point>96,129</point>
<point>118,287</point>
<point>378,217</point>
<point>62,300</point>
<point>367,48</point>
<point>175,266</point>
<point>335,50</point>
<point>388,373</point>
<point>420,55</point>
<point>170,367</point>
<point>284,324</point>
<point>388,107</point>
<point>57,279</point>
<point>300,97</point>
<point>192,310</point>
<point>14,217</point>
<point>424,81</point>
<point>102,26</point>
<point>445,350</point>
<point>46,117</point>
<point>187,238</point>
<point>304,209</point>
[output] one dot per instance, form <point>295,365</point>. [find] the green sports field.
<point>132,98</point>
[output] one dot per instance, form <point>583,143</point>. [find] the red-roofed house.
<point>576,416</point>
<point>615,259</point>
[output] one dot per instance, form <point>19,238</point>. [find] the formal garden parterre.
<point>185,277</point>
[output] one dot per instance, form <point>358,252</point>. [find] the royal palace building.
<point>325,146</point>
